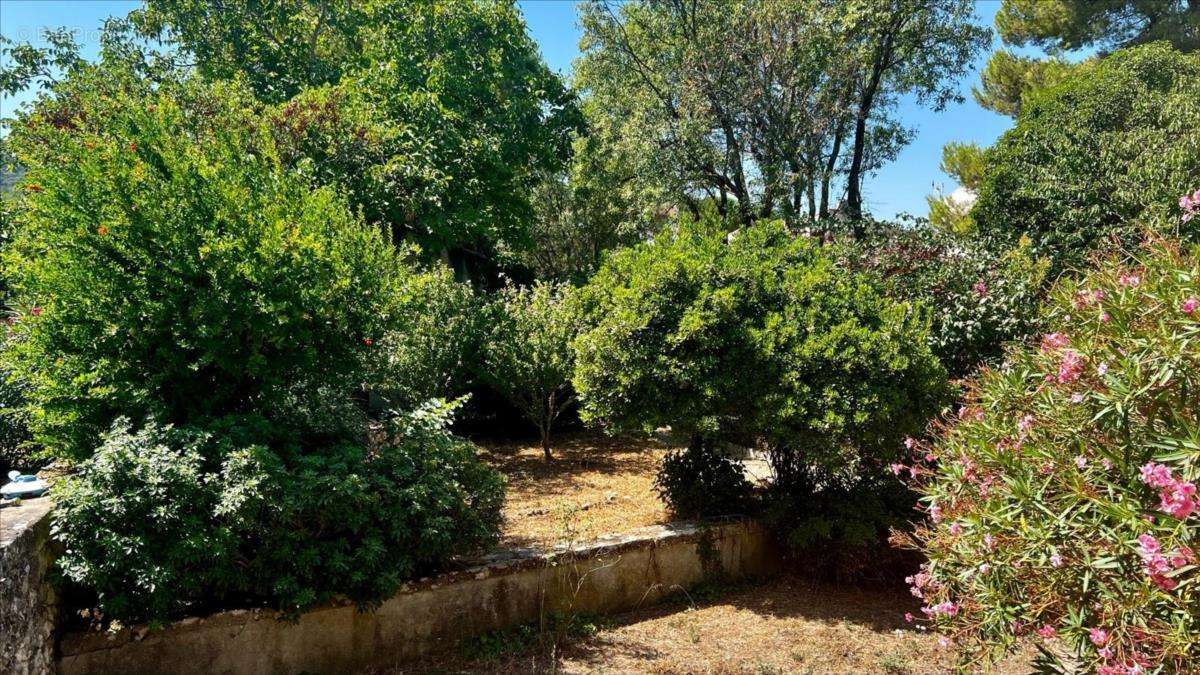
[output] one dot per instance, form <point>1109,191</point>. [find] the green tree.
<point>1093,160</point>
<point>963,162</point>
<point>763,109</point>
<point>1107,25</point>
<point>528,355</point>
<point>436,118</point>
<point>1060,26</point>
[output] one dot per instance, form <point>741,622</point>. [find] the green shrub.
<point>1112,145</point>
<point>981,293</point>
<point>1062,499</point>
<point>701,482</point>
<point>167,269</point>
<point>165,265</point>
<point>164,520</point>
<point>528,355</point>
<point>759,339</point>
<point>431,350</point>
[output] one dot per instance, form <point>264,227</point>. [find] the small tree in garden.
<point>758,337</point>
<point>1062,499</point>
<point>429,350</point>
<point>528,355</point>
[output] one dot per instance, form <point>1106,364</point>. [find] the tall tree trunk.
<point>830,165</point>
<point>879,65</point>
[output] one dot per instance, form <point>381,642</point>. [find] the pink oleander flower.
<point>1105,653</point>
<point>1056,560</point>
<point>1071,367</point>
<point>1156,475</point>
<point>1104,317</point>
<point>1129,280</point>
<point>1098,636</point>
<point>1081,462</point>
<point>1188,306</point>
<point>1077,398</point>
<point>897,468</point>
<point>909,442</point>
<point>935,513</point>
<point>985,568</point>
<point>948,608</point>
<point>1106,463</point>
<point>1102,368</point>
<point>1054,341</point>
<point>908,617</point>
<point>1025,423</point>
<point>1148,545</point>
<point>989,541</point>
<point>1047,631</point>
<point>956,529</point>
<point>1178,499</point>
<point>980,288</point>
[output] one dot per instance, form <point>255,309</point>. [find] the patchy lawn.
<point>595,485</point>
<point>787,625</point>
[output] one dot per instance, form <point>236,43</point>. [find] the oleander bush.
<point>760,338</point>
<point>1111,146</point>
<point>1062,500</point>
<point>982,293</point>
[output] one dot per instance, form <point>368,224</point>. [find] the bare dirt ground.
<point>786,625</point>
<point>594,486</point>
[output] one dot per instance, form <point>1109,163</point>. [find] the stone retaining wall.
<point>28,605</point>
<point>506,589</point>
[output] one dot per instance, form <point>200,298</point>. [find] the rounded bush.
<point>700,482</point>
<point>1062,501</point>
<point>166,265</point>
<point>757,337</point>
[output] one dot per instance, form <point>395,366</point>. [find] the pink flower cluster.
<point>1159,565</point>
<point>1129,280</point>
<point>947,608</point>
<point>1188,306</point>
<point>1054,341</point>
<point>920,583</point>
<point>1071,366</point>
<point>1190,204</point>
<point>1176,497</point>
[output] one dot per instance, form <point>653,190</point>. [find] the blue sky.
<point>899,187</point>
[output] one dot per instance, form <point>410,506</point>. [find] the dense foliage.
<point>165,265</point>
<point>197,329</point>
<point>528,355</point>
<point>437,118</point>
<point>1112,145</point>
<point>431,349</point>
<point>758,336</point>
<point>767,108</point>
<point>162,519</point>
<point>979,294</point>
<point>1062,500</point>
<point>702,482</point>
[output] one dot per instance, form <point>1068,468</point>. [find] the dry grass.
<point>595,486</point>
<point>788,625</point>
